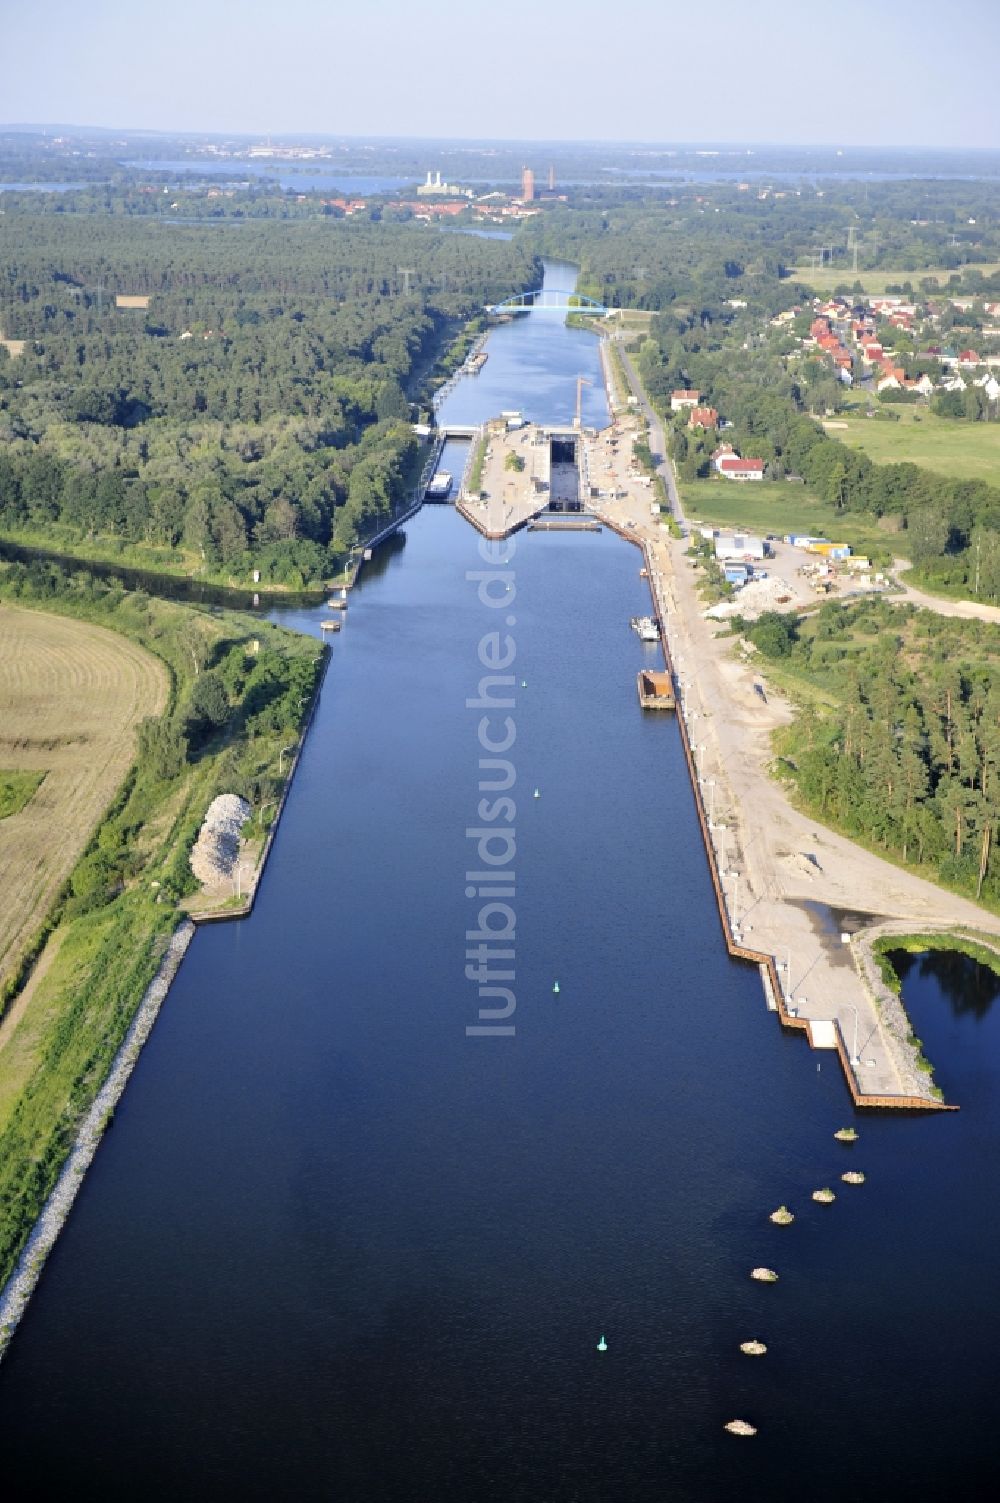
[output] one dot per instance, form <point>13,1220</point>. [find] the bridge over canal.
<point>549,299</point>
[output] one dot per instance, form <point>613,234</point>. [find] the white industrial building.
<point>739,547</point>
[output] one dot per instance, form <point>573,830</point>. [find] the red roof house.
<point>741,469</point>
<point>703,417</point>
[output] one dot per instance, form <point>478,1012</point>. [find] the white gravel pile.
<point>215,852</point>
<point>756,597</point>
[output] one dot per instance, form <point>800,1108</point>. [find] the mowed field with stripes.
<point>71,695</point>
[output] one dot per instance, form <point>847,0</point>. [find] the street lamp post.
<point>711,800</point>
<point>854,1051</point>
<point>722,846</point>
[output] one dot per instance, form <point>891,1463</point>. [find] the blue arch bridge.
<point>548,298</point>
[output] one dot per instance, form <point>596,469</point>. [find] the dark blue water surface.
<point>336,1249</point>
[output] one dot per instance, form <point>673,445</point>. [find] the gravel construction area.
<point>216,851</point>
<point>756,597</point>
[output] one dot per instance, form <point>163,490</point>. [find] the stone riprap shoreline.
<point>20,1286</point>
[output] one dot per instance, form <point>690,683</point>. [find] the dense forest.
<point>900,746</point>
<point>257,413</point>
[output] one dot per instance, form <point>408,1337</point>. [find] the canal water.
<point>337,1248</point>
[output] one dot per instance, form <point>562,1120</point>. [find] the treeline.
<point>271,497</point>
<point>256,414</point>
<point>909,759</point>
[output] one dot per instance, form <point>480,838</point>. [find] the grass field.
<point>875,282</point>
<point>16,790</point>
<point>779,508</point>
<point>70,697</point>
<point>957,450</point>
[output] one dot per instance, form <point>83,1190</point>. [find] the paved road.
<point>967,610</point>
<point>657,440</point>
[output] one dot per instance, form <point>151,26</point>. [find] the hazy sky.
<point>879,72</point>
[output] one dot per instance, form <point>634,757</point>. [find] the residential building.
<point>703,417</point>
<point>740,469</point>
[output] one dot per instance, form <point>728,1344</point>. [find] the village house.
<point>703,417</point>
<point>731,467</point>
<point>681,399</point>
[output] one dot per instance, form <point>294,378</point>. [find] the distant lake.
<point>471,229</point>
<point>44,187</point>
<point>288,177</point>
<point>692,174</point>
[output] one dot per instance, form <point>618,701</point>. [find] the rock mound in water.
<point>216,851</point>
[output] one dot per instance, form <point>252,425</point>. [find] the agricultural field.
<point>778,508</point>
<point>71,695</point>
<point>827,278</point>
<point>958,450</point>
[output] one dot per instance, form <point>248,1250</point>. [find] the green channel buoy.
<point>602,1345</point>
<point>555,986</point>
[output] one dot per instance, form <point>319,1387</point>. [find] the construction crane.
<point>581,382</point>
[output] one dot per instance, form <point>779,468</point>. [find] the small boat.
<point>602,1345</point>
<point>741,1427</point>
<point>645,628</point>
<point>439,488</point>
